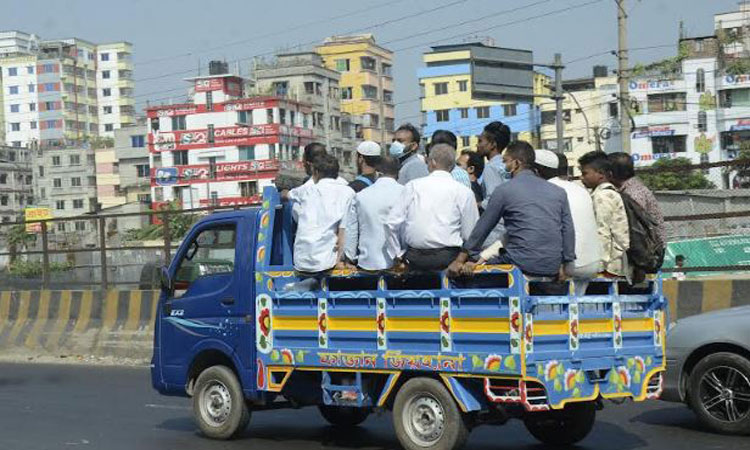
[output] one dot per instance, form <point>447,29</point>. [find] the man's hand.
<point>468,269</point>
<point>454,269</point>
<point>562,274</point>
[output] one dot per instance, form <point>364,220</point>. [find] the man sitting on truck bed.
<point>433,217</point>
<point>322,205</point>
<point>540,237</point>
<point>365,229</point>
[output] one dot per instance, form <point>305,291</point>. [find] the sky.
<point>172,38</point>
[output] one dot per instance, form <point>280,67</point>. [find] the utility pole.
<point>559,102</point>
<point>623,76</point>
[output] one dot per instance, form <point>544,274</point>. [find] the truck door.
<point>204,310</point>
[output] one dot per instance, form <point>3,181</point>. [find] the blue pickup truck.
<point>240,332</point>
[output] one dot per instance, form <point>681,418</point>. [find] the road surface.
<point>45,407</point>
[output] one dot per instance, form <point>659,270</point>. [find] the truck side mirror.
<point>167,283</point>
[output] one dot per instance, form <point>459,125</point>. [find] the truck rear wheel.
<point>426,417</point>
<point>344,416</point>
<point>219,406</point>
<point>563,426</point>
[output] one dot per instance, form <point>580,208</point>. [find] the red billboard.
<point>210,84</point>
<point>223,137</point>
<point>232,201</point>
<point>243,104</point>
<point>201,173</point>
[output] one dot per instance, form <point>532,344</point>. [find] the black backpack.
<point>646,250</point>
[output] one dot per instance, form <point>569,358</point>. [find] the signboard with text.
<point>31,214</point>
<point>225,136</point>
<point>201,173</point>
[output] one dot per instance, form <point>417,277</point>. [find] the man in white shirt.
<point>365,224</point>
<point>322,206</point>
<point>312,151</point>
<point>553,167</point>
<point>431,220</point>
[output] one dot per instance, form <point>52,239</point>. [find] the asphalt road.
<point>47,407</point>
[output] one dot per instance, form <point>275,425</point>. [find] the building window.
<point>702,121</point>
<point>60,227</point>
<point>15,126</point>
<point>56,161</point>
<point>3,178</point>
<point>248,188</point>
<point>77,204</point>
<point>144,198</point>
<point>75,160</point>
<point>60,204</point>
<point>309,87</point>
<point>30,70</point>
<point>269,115</point>
<point>368,63</point>
<point>245,117</point>
<point>211,136</point>
<point>700,80</point>
<point>613,109</point>
<point>342,65</point>
<point>483,112</point>
<point>442,115</point>
<point>667,102</point>
<point>387,70</point>
<point>12,90</point>
<point>510,110</point>
<point>107,109</point>
<point>280,88</point>
<point>441,88</point>
<point>465,141</point>
<point>104,56</point>
<point>464,112</point>
<point>105,74</point>
<point>15,108</point>
<point>49,106</point>
<point>209,101</point>
<point>12,71</point>
<point>346,93</point>
<point>32,106</point>
<point>142,171</point>
<point>138,141</point>
<point>463,85</point>
<point>180,158</point>
<point>75,182</point>
<point>91,181</point>
<point>80,224</point>
<point>282,116</point>
<point>43,193</point>
<point>178,123</point>
<point>668,144</point>
<point>107,92</point>
<point>369,92</point>
<point>32,88</point>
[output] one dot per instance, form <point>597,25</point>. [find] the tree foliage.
<point>179,224</point>
<point>16,238</point>
<point>675,175</point>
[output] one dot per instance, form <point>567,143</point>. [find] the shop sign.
<point>653,132</point>
<point>741,125</point>
<point>650,85</point>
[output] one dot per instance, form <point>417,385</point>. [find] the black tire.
<point>562,427</point>
<point>721,403</point>
<point>219,406</point>
<point>344,416</point>
<point>443,425</point>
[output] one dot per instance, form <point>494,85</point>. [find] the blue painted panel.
<point>353,340</point>
<point>414,341</point>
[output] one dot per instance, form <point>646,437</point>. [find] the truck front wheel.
<point>218,403</point>
<point>426,417</point>
<point>562,427</point>
<point>343,416</point>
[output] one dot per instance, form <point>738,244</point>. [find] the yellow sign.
<point>36,214</point>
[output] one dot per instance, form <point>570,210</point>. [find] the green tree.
<point>674,175</point>
<point>16,238</point>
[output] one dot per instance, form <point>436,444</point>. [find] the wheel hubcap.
<point>424,420</point>
<point>215,403</point>
<point>725,394</point>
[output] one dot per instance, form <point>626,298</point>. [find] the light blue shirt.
<point>366,231</point>
<point>462,176</point>
<point>412,168</point>
<point>493,176</point>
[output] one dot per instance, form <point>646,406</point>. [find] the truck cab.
<point>240,331</point>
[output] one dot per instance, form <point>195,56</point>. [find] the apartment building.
<point>303,77</point>
<point>366,85</point>
<point>63,92</point>
<point>223,148</point>
<point>16,181</point>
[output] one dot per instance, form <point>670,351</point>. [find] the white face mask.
<point>396,149</point>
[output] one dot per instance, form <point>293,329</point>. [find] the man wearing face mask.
<point>540,237</point>
<point>404,147</point>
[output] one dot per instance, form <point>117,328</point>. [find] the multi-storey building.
<point>223,148</point>
<point>132,162</point>
<point>65,182</point>
<point>62,92</point>
<point>16,191</point>
<point>303,77</point>
<point>446,83</point>
<point>366,84</point>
